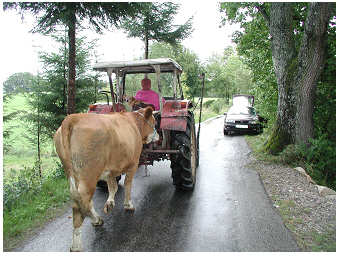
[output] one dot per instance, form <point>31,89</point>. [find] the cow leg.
<point>78,219</point>
<point>95,219</point>
<point>86,193</point>
<point>113,187</point>
<point>127,187</point>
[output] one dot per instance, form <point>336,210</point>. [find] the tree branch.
<point>265,15</point>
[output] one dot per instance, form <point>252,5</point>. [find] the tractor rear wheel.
<point>185,162</point>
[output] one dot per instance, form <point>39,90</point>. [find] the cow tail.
<point>66,131</point>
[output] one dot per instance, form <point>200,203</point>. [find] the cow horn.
<point>155,112</point>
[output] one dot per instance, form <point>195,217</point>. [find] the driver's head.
<point>146,84</point>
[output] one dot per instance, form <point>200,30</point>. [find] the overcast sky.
<point>19,47</point>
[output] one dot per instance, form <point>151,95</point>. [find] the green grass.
<point>210,112</point>
<point>18,103</point>
<point>33,211</point>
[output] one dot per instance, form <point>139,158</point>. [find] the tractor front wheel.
<point>185,162</point>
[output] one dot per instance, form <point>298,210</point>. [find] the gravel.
<point>310,216</point>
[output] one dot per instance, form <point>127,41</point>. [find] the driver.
<point>147,95</point>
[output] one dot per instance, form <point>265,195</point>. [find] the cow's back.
<point>94,143</point>
<point>108,141</point>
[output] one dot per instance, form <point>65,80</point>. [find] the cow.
<point>96,147</point>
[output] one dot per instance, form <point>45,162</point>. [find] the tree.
<point>227,74</point>
<point>254,45</point>
<point>69,14</point>
<point>55,74</point>
<point>7,131</point>
<point>188,60</point>
<point>37,122</point>
<point>17,83</point>
<point>298,42</point>
<point>155,23</point>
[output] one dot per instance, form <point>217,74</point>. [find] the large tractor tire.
<point>184,164</point>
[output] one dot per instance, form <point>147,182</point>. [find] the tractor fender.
<point>174,114</point>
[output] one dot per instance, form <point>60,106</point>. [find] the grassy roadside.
<point>293,215</point>
<point>33,210</point>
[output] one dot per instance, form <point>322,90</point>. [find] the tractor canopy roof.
<point>139,66</point>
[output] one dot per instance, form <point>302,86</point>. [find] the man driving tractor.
<point>147,95</point>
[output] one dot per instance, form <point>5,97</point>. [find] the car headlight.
<point>252,122</point>
<point>230,121</point>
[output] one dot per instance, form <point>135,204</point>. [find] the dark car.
<point>242,119</point>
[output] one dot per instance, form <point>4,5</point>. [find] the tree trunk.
<point>71,86</point>
<point>146,44</point>
<point>64,104</point>
<point>312,59</point>
<point>297,74</point>
<point>284,60</point>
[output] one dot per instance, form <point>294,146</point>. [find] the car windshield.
<point>241,111</point>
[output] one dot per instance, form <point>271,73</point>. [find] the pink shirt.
<point>149,97</point>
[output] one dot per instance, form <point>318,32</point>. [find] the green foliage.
<point>155,23</point>
<point>30,201</point>
<point>18,83</point>
<point>54,88</point>
<point>208,102</point>
<point>7,131</point>
<point>253,44</point>
<point>19,183</point>
<point>218,105</point>
<point>100,15</point>
<point>189,62</point>
<point>26,182</point>
<point>319,160</point>
<point>228,75</point>
<point>325,108</point>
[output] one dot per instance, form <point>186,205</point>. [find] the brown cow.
<point>96,147</point>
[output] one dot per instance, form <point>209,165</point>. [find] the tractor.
<point>175,121</point>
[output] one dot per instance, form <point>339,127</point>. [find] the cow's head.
<point>148,131</point>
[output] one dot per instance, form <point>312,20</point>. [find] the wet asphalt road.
<point>229,210</point>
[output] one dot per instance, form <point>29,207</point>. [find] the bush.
<point>208,103</point>
<point>24,183</point>
<point>319,160</point>
<point>218,105</point>
<point>19,183</point>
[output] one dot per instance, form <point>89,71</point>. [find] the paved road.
<point>229,210</point>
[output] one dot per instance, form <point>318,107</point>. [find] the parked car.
<point>242,119</point>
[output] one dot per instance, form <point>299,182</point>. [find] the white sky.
<point>19,47</point>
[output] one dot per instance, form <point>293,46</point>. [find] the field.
<point>22,154</point>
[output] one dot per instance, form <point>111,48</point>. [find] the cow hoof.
<point>99,223</point>
<point>108,207</point>
<point>75,250</point>
<point>128,206</point>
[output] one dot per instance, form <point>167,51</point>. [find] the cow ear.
<point>148,112</point>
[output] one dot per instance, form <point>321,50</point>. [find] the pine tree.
<point>155,23</point>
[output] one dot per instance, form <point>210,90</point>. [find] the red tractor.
<point>175,121</point>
